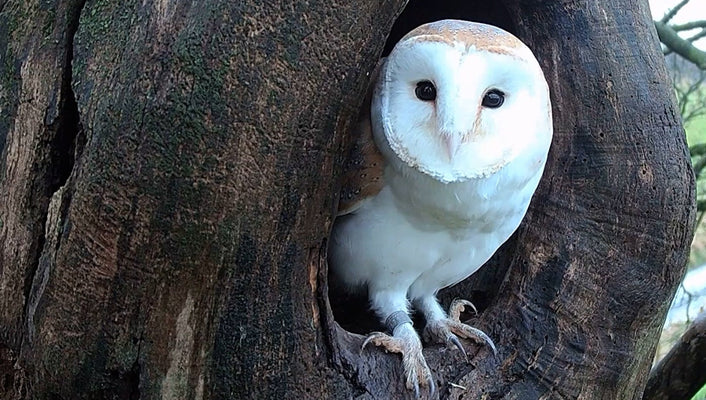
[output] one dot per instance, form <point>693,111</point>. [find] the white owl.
<point>445,165</point>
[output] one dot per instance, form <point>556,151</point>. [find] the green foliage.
<point>696,131</point>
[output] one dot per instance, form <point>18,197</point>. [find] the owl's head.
<point>458,100</point>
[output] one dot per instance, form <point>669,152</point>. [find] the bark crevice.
<point>65,147</point>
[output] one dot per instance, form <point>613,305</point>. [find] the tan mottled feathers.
<point>486,37</point>
<point>363,171</point>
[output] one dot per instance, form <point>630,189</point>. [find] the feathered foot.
<point>406,341</point>
<point>448,330</point>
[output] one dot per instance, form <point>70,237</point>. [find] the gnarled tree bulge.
<point>169,175</point>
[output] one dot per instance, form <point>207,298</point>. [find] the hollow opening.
<point>418,12</point>
<point>352,310</point>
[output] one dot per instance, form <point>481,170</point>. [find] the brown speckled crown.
<point>483,36</point>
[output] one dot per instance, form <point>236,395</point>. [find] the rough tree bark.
<point>169,179</point>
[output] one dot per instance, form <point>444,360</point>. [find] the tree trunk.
<point>169,179</point>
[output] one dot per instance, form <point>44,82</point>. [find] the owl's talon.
<point>407,343</point>
<point>457,343</point>
<point>378,339</point>
<point>457,306</point>
<point>448,330</point>
<point>432,386</point>
<point>486,338</point>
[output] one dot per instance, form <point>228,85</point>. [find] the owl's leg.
<point>404,340</point>
<point>447,329</point>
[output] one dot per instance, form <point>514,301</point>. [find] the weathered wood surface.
<point>175,261</point>
<point>184,254</point>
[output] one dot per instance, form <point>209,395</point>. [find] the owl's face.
<point>459,100</point>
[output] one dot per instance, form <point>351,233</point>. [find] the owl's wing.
<point>363,170</point>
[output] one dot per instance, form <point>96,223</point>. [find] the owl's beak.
<point>451,143</point>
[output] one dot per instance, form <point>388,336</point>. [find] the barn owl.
<point>448,154</point>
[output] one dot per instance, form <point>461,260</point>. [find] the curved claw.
<point>467,331</point>
<point>457,343</point>
<point>459,305</point>
<point>485,338</point>
<point>371,337</point>
<point>407,343</point>
<point>432,386</point>
<point>429,383</point>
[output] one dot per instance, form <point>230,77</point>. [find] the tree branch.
<point>689,25</point>
<point>684,48</point>
<point>669,15</point>
<point>697,36</point>
<point>680,373</point>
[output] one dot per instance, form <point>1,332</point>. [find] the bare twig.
<point>669,15</point>
<point>689,25</point>
<point>695,100</point>
<point>689,299</point>
<point>697,36</point>
<point>688,83</point>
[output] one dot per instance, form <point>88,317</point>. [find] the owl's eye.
<point>493,98</point>
<point>425,91</point>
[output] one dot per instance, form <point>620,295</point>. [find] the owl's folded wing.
<point>363,171</point>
